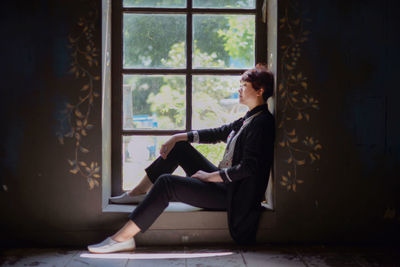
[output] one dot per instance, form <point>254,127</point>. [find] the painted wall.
<point>337,132</point>
<point>345,63</point>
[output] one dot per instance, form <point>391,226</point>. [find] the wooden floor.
<point>266,255</point>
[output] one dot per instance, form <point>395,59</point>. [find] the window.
<point>176,66</point>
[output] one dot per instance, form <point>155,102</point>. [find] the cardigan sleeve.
<point>258,144</point>
<point>214,135</point>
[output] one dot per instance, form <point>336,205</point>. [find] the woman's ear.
<point>260,91</point>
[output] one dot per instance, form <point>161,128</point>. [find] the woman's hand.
<point>167,147</point>
<point>208,176</point>
<point>170,143</point>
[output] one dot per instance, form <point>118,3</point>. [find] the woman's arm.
<point>167,146</point>
<point>213,135</point>
<point>214,177</point>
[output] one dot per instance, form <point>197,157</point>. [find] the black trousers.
<point>167,187</point>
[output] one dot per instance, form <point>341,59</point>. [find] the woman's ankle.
<point>119,238</point>
<point>142,187</point>
<point>136,192</point>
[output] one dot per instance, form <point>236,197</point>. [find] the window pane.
<point>216,100</point>
<point>154,102</point>
<point>224,3</point>
<point>223,41</point>
<point>154,41</point>
<point>137,154</point>
<point>154,3</point>
<point>212,152</point>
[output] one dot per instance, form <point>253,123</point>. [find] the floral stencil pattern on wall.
<point>295,103</point>
<point>77,115</point>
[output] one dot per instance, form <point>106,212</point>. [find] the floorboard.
<point>202,256</point>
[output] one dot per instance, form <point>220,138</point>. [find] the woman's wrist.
<point>180,137</point>
<point>215,177</point>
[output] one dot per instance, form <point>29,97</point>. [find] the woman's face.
<point>247,94</point>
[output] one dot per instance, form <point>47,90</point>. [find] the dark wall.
<point>39,39</point>
<point>341,151</point>
<point>350,60</point>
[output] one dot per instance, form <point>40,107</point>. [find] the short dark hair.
<point>260,77</point>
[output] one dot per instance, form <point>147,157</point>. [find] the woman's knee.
<point>166,184</point>
<point>163,179</point>
<point>167,180</point>
<point>180,147</point>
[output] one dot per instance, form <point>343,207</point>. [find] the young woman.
<point>237,185</point>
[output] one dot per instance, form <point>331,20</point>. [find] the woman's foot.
<point>136,195</point>
<point>109,245</point>
<point>137,191</point>
<point>127,198</point>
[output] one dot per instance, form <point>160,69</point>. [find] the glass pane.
<point>223,41</point>
<point>224,3</point>
<point>154,102</point>
<point>154,41</point>
<point>216,101</point>
<point>138,153</point>
<point>212,152</point>
<point>154,3</point>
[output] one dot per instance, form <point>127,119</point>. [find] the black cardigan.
<point>247,179</point>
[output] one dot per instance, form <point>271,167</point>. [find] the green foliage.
<point>239,38</point>
<point>159,41</point>
<point>219,41</point>
<point>207,94</point>
<point>155,3</point>
<point>208,91</point>
<point>207,39</point>
<point>169,103</point>
<point>146,86</point>
<point>148,38</point>
<point>213,153</point>
<point>224,3</point>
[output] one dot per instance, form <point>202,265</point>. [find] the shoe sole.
<point>126,202</point>
<point>130,202</point>
<point>124,250</point>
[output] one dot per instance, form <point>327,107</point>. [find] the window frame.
<point>117,71</point>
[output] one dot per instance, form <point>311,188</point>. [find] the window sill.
<point>182,216</point>
<point>173,207</point>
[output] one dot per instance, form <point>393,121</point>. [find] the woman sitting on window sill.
<point>237,185</point>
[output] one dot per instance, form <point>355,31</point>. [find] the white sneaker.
<point>125,198</point>
<point>109,246</point>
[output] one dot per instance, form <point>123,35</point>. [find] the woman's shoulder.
<point>264,118</point>
<point>264,124</point>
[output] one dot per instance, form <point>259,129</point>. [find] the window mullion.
<point>261,42</point>
<point>116,69</point>
<point>189,46</point>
